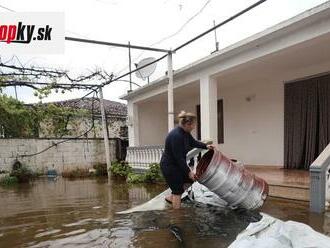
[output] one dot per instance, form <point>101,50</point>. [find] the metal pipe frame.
<point>105,43</point>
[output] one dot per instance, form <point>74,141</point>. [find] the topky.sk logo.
<point>32,33</point>
<point>22,33</point>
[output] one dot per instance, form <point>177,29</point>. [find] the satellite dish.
<point>145,72</point>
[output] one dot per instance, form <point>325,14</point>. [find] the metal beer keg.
<point>232,183</point>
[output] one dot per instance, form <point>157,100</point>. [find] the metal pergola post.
<point>170,97</point>
<point>105,133</point>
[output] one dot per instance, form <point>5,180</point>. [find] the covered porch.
<point>250,124</point>
<point>238,94</point>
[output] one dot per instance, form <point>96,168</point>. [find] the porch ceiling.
<point>189,91</point>
<point>186,92</point>
<point>159,98</point>
<point>278,66</point>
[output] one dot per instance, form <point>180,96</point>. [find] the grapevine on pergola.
<point>45,80</point>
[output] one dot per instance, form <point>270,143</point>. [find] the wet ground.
<point>82,213</point>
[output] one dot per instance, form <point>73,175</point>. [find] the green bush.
<point>23,174</point>
<point>152,175</point>
<point>135,178</point>
<point>38,173</point>
<point>100,170</point>
<point>8,180</point>
<point>121,169</point>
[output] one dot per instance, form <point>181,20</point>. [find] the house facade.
<point>264,100</point>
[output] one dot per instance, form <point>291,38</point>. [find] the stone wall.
<point>82,153</point>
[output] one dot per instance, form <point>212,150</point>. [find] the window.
<point>123,132</point>
<point>220,121</point>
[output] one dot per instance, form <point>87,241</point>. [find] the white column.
<point>209,115</point>
<point>133,124</point>
<point>170,98</point>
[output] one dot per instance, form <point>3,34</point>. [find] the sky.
<point>158,23</point>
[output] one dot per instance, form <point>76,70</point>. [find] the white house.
<point>253,97</point>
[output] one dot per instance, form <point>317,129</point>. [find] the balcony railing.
<point>319,182</point>
<point>141,157</point>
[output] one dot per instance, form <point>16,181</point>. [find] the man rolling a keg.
<point>173,162</point>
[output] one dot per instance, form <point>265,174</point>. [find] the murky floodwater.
<point>82,213</point>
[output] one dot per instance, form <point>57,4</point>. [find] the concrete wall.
<point>152,123</point>
<point>188,105</point>
<point>80,153</point>
<point>254,122</point>
<point>153,119</point>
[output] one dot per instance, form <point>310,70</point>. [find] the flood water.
<point>82,213</point>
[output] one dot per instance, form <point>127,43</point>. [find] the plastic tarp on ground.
<point>270,232</point>
<point>197,192</point>
<point>156,203</point>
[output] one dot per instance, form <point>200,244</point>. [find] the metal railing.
<point>319,181</point>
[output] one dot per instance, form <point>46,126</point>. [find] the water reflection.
<point>82,213</point>
<point>52,213</point>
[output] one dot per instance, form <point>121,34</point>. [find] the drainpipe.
<point>170,98</point>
